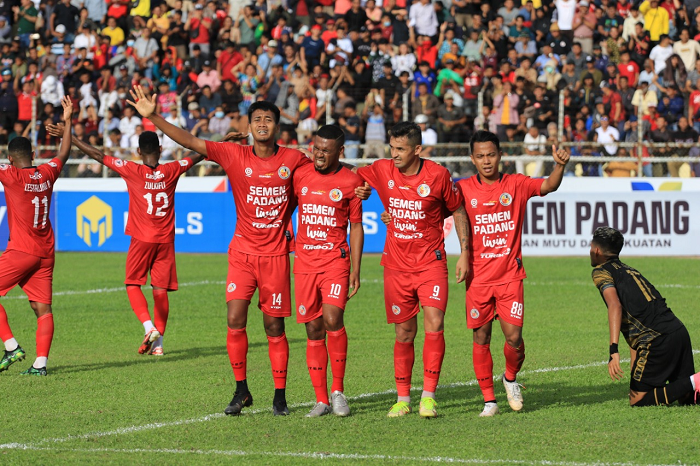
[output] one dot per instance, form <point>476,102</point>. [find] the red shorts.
<point>157,258</point>
<point>485,303</point>
<point>403,291</point>
<point>313,290</point>
<point>32,273</point>
<point>269,274</point>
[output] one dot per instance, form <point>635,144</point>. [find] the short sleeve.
<point>115,164</point>
<point>602,279</point>
<point>355,210</point>
<point>221,152</point>
<point>183,165</point>
<point>530,187</point>
<point>451,194</point>
<point>368,174</point>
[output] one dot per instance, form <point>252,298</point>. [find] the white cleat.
<point>320,409</point>
<point>515,397</point>
<point>340,404</point>
<point>490,410</point>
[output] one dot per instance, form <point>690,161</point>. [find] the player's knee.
<point>514,340</point>
<point>482,337</point>
<point>333,321</point>
<point>315,330</point>
<point>40,309</point>
<point>274,328</point>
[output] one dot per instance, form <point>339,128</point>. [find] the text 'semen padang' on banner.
<point>658,217</point>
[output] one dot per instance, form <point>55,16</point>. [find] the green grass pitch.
<point>104,403</point>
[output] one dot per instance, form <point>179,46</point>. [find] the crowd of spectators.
<point>364,65</point>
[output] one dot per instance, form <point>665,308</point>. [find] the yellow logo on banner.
<point>94,216</point>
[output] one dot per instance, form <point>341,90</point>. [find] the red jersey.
<point>28,197</point>
<point>417,204</point>
<point>151,197</point>
<point>326,203</point>
<point>496,214</point>
<point>630,71</point>
<point>262,191</point>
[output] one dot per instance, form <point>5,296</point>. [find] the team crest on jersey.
<point>391,184</point>
<point>35,176</point>
<point>302,310</point>
<point>53,164</point>
<point>423,190</point>
<point>505,199</point>
<point>304,190</point>
<point>183,163</point>
<point>396,309</point>
<point>474,313</point>
<point>248,172</point>
<point>284,172</point>
<point>119,163</point>
<point>474,203</point>
<point>231,287</point>
<point>336,195</point>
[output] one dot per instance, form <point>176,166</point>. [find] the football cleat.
<point>515,397</point>
<point>156,351</point>
<point>321,409</point>
<point>12,357</point>
<point>490,410</point>
<point>239,401</point>
<point>148,340</point>
<point>401,408</point>
<point>340,404</point>
<point>279,408</point>
<point>428,407</point>
<point>34,371</point>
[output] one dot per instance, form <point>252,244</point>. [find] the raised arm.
<point>553,181</point>
<point>64,149</point>
<point>146,107</point>
<point>462,228</point>
<point>357,242</point>
<point>59,131</point>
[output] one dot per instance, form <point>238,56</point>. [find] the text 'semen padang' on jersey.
<point>28,197</point>
<point>418,205</point>
<point>151,197</point>
<point>326,203</point>
<point>262,192</point>
<point>496,213</point>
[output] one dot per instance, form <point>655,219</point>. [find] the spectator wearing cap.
<point>656,19</point>
<point>593,71</point>
<point>25,16</point>
<point>628,26</point>
<point>428,136</point>
<point>660,53</point>
<point>600,61</point>
<point>451,120</point>
<point>559,43</point>
<point>198,27</point>
<point>362,47</point>
<point>269,58</point>
<point>423,19</point>
<point>584,25</point>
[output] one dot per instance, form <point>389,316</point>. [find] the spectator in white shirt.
<point>423,19</point>
<point>660,53</point>
<point>607,136</point>
<point>128,125</point>
<point>534,144</point>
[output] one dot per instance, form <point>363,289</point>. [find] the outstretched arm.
<point>146,106</point>
<point>553,181</point>
<point>59,131</point>
<point>462,228</point>
<point>64,149</point>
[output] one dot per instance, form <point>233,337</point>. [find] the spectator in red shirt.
<point>628,68</point>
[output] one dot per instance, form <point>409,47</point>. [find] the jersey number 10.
<point>159,197</point>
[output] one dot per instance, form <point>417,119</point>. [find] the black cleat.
<point>239,401</point>
<point>279,408</point>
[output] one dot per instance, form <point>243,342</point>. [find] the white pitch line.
<point>336,456</point>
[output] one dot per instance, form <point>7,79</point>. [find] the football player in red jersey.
<point>417,193</point>
<point>29,257</point>
<point>496,204</point>
<point>261,181</point>
<point>322,263</point>
<point>151,225</point>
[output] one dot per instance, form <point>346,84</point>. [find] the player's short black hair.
<point>609,240</point>
<point>484,136</point>
<point>265,107</point>
<point>409,130</point>
<point>149,143</point>
<point>332,133</point>
<point>20,148</point>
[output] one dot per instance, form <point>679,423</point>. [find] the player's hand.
<point>354,283</point>
<point>234,136</point>
<point>67,108</point>
<point>55,130</point>
<point>614,368</point>
<point>386,218</point>
<point>363,192</point>
<point>561,156</point>
<point>143,104</point>
<point>462,269</point>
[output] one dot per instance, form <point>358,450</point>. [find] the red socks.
<point>138,303</point>
<point>237,347</point>
<point>514,359</point>
<point>404,358</point>
<point>317,361</point>
<point>483,369</point>
<point>338,353</point>
<point>44,335</point>
<point>161,308</point>
<point>433,354</point>
<point>278,349</point>
<point>5,331</point>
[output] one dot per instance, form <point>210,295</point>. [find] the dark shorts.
<point>668,358</point>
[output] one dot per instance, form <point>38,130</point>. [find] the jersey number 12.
<point>159,197</point>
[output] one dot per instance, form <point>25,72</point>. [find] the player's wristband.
<point>613,350</point>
